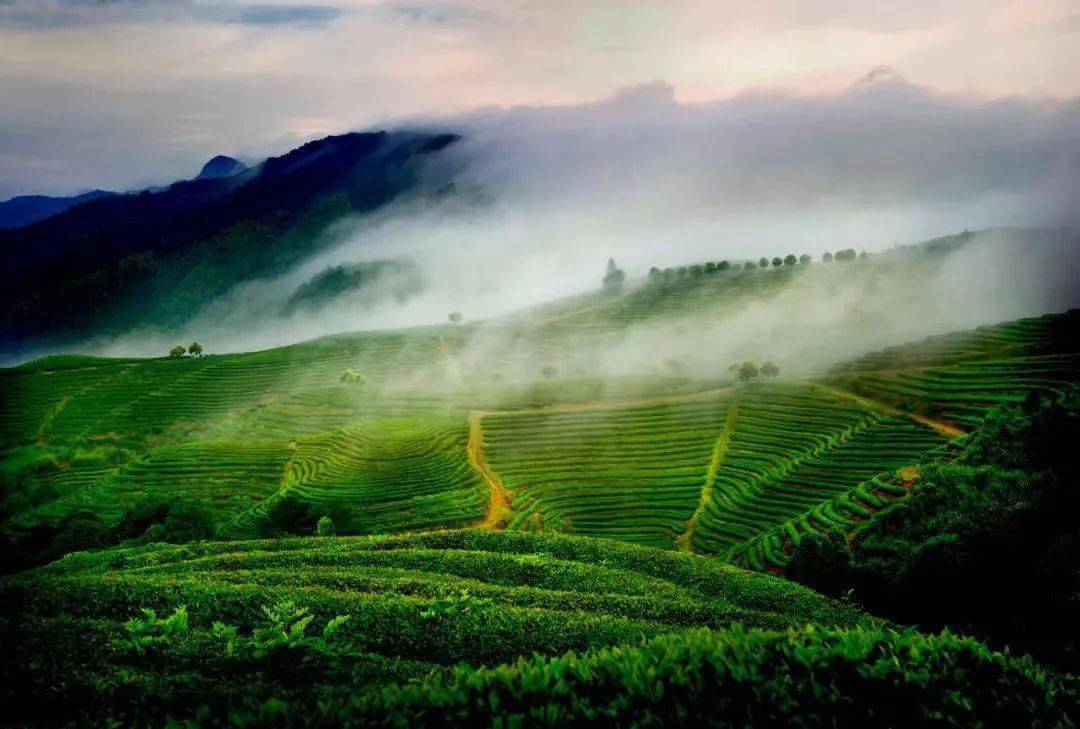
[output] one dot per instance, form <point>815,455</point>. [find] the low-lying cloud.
<point>543,196</point>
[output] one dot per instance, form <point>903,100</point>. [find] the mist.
<point>542,196</point>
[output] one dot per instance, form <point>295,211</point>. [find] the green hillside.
<point>490,527</point>
<point>506,424</point>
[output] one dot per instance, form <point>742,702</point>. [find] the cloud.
<point>60,14</point>
<point>439,14</point>
<point>303,15</point>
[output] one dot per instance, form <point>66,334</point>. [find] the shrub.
<point>823,562</point>
<point>151,632</point>
<point>736,677</point>
<point>324,527</point>
<point>352,377</point>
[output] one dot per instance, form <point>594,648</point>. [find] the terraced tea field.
<point>390,476</point>
<point>438,436</point>
<point>631,472</point>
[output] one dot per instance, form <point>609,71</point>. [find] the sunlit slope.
<point>958,377</point>
<point>388,476</point>
<point>631,472</point>
<point>951,380</point>
<point>664,459</point>
<point>790,448</point>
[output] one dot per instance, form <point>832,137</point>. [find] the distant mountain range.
<point>154,258</point>
<point>27,209</point>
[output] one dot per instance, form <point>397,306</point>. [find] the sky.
<point>119,94</point>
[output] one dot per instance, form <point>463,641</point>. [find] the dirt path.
<point>499,502</point>
<point>684,542</point>
<point>946,430</point>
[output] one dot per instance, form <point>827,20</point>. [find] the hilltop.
<point>155,257</point>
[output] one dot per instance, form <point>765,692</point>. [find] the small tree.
<point>763,262</point>
<point>864,255</point>
<point>669,274</point>
<point>177,352</point>
<point>723,266</point>
<point>710,267</point>
<point>790,259</point>
<point>324,527</point>
<point>613,277</point>
<point>352,377</point>
<point>805,259</point>
<point>748,266</point>
<point>745,371</point>
<point>195,349</point>
<point>826,257</point>
<point>655,275</point>
<point>769,370</point>
<point>776,262</point>
<point>455,316</point>
<point>697,269</point>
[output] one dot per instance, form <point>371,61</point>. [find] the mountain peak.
<point>221,166</point>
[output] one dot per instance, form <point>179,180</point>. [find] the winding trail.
<point>499,502</point>
<point>684,542</point>
<point>946,430</point>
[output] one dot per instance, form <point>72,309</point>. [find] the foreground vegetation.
<point>415,606</point>
<point>990,533</point>
<point>332,630</point>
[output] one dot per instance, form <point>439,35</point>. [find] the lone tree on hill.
<point>744,371</point>
<point>776,262</point>
<point>176,352</point>
<point>195,349</point>
<point>826,257</point>
<point>763,262</point>
<point>790,259</point>
<point>769,370</point>
<point>614,277</point>
<point>805,259</point>
<point>352,377</point>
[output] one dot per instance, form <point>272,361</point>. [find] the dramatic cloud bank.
<point>543,196</point>
<point>123,93</point>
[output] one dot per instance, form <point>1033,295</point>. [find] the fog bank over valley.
<point>541,197</point>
